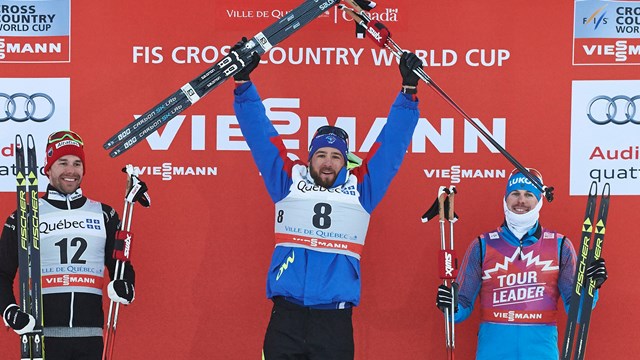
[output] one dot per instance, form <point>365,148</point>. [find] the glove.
<point>18,320</point>
<point>366,5</point>
<point>243,74</point>
<point>139,192</point>
<point>408,62</point>
<point>121,291</point>
<point>598,272</point>
<point>445,297</point>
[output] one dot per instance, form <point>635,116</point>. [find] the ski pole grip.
<point>448,264</point>
<point>442,197</point>
<point>357,19</point>
<point>452,192</point>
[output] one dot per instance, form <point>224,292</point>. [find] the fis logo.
<point>597,18</point>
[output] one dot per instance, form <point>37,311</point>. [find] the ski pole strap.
<point>122,245</point>
<point>137,190</point>
<point>435,207</point>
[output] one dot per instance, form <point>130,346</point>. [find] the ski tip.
<point>31,142</point>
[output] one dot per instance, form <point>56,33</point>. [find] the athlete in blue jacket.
<point>321,219</point>
<point>519,271</point>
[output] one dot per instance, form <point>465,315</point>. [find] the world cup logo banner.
<point>606,32</point>
<point>35,31</point>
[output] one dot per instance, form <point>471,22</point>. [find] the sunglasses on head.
<point>62,135</point>
<point>532,171</point>
<point>328,129</point>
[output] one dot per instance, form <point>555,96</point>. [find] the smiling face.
<point>521,201</point>
<point>65,174</point>
<point>325,164</point>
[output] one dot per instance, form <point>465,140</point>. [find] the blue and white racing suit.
<point>320,232</point>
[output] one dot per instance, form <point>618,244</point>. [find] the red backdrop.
<point>203,248</point>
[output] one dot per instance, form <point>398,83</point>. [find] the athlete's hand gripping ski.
<point>121,291</point>
<point>447,262</point>
<point>381,35</point>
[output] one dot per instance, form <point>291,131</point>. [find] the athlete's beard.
<point>520,224</point>
<point>328,183</point>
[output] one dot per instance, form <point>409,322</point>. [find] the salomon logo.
<point>326,4</point>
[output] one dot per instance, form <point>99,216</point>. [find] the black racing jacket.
<point>73,309</point>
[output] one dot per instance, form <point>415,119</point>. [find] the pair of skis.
<point>447,258</point>
<point>380,34</point>
<point>581,302</point>
<point>27,222</point>
<point>211,78</point>
<point>136,191</point>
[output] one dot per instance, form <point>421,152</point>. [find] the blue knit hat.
<point>329,139</point>
<point>517,181</point>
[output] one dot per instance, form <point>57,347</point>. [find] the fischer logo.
<point>582,265</point>
<point>597,254</point>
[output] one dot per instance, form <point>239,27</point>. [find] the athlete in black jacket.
<point>77,238</point>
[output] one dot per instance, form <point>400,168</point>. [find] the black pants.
<point>300,333</point>
<point>78,348</point>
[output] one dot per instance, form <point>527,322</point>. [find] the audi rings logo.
<point>619,110</point>
<point>21,107</point>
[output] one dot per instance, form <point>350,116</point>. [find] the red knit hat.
<point>61,143</point>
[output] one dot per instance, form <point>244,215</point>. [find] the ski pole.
<point>442,197</point>
<point>135,191</point>
<point>447,259</point>
<point>381,36</point>
<point>448,264</point>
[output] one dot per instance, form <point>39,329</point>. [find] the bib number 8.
<point>321,219</point>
